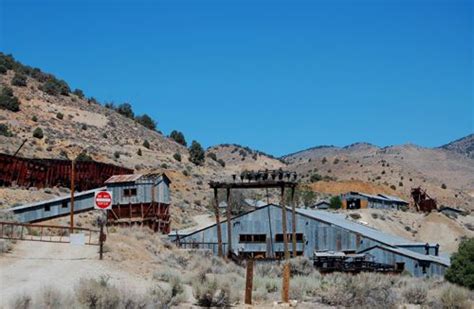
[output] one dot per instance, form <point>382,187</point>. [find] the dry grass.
<point>197,277</point>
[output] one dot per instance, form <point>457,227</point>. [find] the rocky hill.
<point>446,174</point>
<point>464,146</point>
<point>69,123</point>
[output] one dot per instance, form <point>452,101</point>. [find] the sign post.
<point>102,201</point>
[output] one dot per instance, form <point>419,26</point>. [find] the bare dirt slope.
<point>432,228</point>
<point>32,266</point>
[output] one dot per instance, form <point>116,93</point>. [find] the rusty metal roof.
<point>124,178</point>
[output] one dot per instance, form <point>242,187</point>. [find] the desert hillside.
<point>71,123</point>
<point>447,175</point>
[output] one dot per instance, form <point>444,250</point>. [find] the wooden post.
<point>293,220</point>
<point>285,291</point>
<point>73,176</point>
<point>101,241</point>
<point>218,224</point>
<point>229,225</point>
<point>249,282</point>
<point>286,267</point>
<point>283,224</point>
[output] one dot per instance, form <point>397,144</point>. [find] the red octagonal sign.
<point>103,200</point>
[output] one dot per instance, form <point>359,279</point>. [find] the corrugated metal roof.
<point>341,221</point>
<point>61,198</point>
<point>393,198</point>
<point>382,197</point>
<point>124,178</point>
<point>412,254</point>
<point>255,203</point>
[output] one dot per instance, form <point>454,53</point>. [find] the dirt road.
<point>32,266</point>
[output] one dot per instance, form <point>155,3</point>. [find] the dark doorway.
<point>353,204</point>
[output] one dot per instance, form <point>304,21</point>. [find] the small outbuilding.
<point>140,199</point>
<point>359,200</point>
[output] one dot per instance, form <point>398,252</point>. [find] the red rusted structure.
<point>43,173</point>
<point>154,215</point>
<point>423,202</point>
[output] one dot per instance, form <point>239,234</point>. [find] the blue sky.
<point>279,76</point>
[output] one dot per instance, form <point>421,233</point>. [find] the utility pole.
<point>73,176</point>
<point>218,224</point>
<point>293,221</point>
<point>229,225</point>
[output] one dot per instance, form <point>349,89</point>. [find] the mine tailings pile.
<point>43,173</point>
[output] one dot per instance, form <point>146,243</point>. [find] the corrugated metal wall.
<point>318,235</point>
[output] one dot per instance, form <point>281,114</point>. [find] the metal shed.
<point>358,200</point>
<point>57,207</point>
<point>258,233</point>
<point>140,199</point>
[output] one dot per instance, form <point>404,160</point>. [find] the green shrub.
<point>139,152</point>
<point>5,131</point>
<point>178,137</point>
<point>34,118</point>
<point>177,157</point>
<point>83,156</point>
<point>443,186</point>
<point>209,292</point>
<point>146,121</point>
<point>196,153</point>
<point>84,126</point>
<point>315,178</point>
<point>221,162</point>
<point>212,155</point>
<point>60,116</point>
<point>8,101</point>
<point>116,155</point>
<point>164,165</point>
<point>146,144</point>
<point>97,294</point>
<point>79,93</point>
<point>461,270</point>
<point>125,109</point>
<point>38,133</point>
<point>454,297</point>
<point>55,87</point>
<point>3,69</point>
<point>415,294</point>
<point>19,80</point>
<point>335,202</point>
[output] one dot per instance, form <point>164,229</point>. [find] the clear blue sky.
<point>278,76</point>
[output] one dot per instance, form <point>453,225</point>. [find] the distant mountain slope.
<point>398,168</point>
<point>238,158</point>
<point>464,146</point>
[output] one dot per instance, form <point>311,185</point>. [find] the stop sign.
<point>103,200</point>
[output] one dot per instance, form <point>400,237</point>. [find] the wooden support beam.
<point>249,282</point>
<point>293,220</point>
<point>229,225</point>
<point>218,224</point>
<point>73,177</point>
<point>285,291</point>
<point>283,224</point>
<point>286,268</point>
